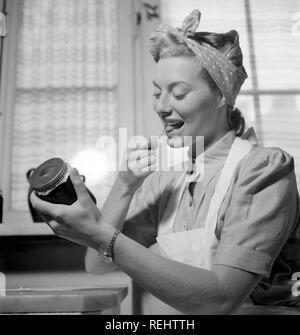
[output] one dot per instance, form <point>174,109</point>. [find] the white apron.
<point>196,247</point>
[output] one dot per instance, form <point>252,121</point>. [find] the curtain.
<point>66,85</point>
<point>270,40</point>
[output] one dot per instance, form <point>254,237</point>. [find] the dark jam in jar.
<point>51,182</point>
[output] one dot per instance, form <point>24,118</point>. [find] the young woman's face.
<point>183,99</point>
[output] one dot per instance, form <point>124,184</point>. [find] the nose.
<point>163,113</point>
<point>162,107</point>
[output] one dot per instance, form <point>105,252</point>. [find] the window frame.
<point>256,92</point>
<point>20,222</point>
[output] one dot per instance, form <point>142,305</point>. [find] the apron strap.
<point>240,148</point>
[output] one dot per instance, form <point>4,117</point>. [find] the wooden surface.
<point>92,300</point>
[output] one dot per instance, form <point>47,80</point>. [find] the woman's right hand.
<point>138,163</point>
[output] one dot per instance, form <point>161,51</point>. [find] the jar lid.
<point>48,174</point>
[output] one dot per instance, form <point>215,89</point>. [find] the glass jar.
<point>51,182</point>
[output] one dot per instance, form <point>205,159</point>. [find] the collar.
<point>219,151</point>
<point>213,155</point>
<point>212,159</point>
<point>207,164</point>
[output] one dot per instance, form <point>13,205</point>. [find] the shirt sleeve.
<point>141,220</point>
<point>262,211</point>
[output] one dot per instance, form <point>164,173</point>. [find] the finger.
<point>146,161</point>
<point>53,225</point>
<point>152,167</point>
<point>175,142</point>
<point>45,217</point>
<point>153,143</point>
<point>141,163</point>
<point>45,207</point>
<point>138,142</point>
<point>137,155</point>
<point>79,186</point>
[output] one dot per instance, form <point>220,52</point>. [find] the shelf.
<point>25,229</point>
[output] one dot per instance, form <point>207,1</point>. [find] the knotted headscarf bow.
<point>228,77</point>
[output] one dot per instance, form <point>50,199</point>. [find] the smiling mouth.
<point>173,125</point>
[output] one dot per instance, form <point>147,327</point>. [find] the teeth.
<point>174,123</point>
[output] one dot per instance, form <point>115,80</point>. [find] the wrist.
<point>105,249</point>
<point>126,187</point>
<point>102,237</point>
<point>107,256</point>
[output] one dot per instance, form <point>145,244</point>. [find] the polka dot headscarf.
<point>228,77</point>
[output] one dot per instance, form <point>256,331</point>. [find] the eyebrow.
<point>172,85</point>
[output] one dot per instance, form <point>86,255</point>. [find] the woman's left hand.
<point>80,222</point>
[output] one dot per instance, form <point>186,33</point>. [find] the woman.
<point>197,243</point>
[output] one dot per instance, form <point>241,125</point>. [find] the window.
<point>74,70</point>
<point>63,82</point>
<point>270,40</point>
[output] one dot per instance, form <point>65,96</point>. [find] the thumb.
<point>153,143</point>
<point>79,186</point>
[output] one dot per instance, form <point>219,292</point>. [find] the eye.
<point>180,96</point>
<point>157,95</point>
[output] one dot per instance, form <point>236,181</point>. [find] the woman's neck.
<point>198,147</point>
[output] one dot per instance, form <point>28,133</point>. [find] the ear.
<point>221,102</point>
